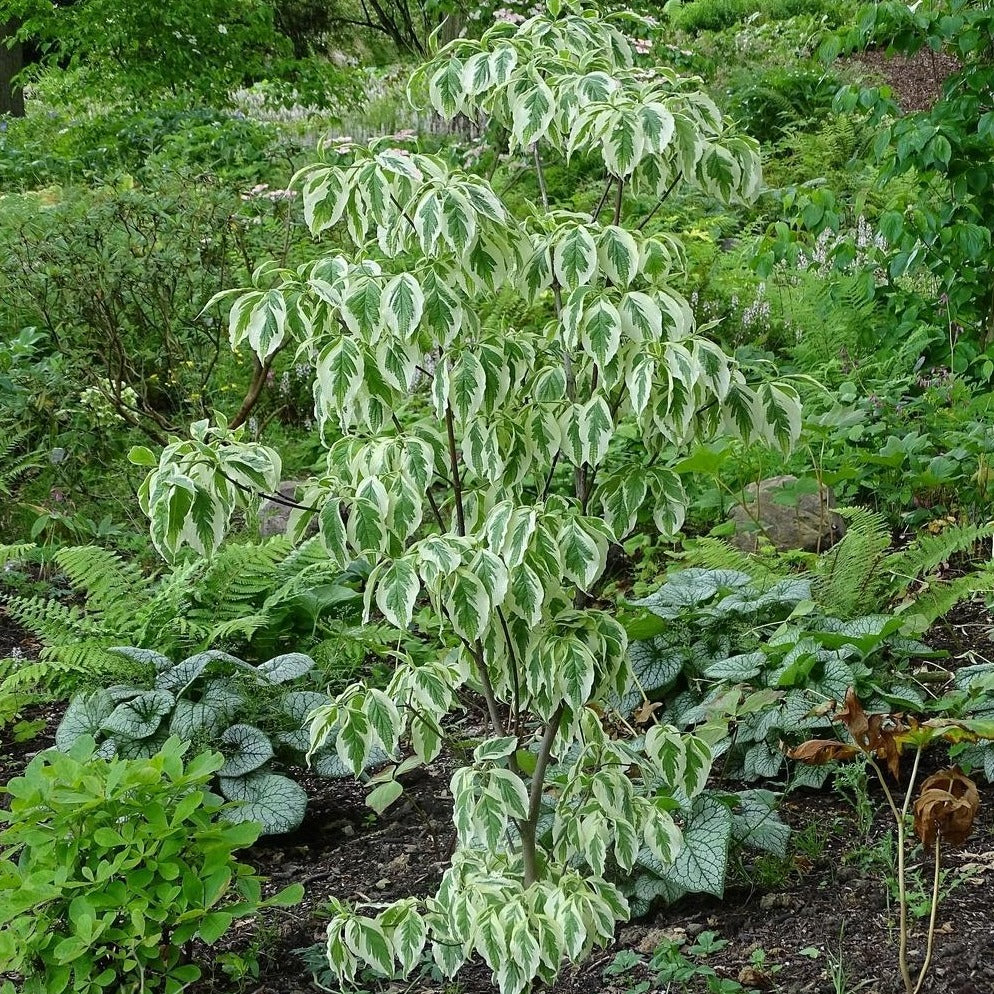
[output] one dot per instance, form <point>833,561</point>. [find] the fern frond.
<point>112,586</point>
<point>848,579</point>
<point>941,597</point>
<point>928,551</point>
<point>14,553</point>
<point>713,553</point>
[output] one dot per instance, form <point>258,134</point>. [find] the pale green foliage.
<point>451,499</point>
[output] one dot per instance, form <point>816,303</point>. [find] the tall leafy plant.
<point>455,501</point>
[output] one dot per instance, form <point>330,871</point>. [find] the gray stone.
<point>274,516</point>
<point>807,522</point>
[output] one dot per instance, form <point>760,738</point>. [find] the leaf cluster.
<point>111,866</point>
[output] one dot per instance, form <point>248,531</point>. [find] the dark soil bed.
<point>916,80</point>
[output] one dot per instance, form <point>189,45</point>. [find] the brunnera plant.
<point>444,439</point>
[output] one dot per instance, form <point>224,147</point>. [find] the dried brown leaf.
<point>817,752</point>
<point>946,807</point>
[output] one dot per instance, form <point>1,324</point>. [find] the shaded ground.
<point>825,916</point>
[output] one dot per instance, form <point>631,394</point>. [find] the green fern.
<point>14,462</point>
<point>712,553</point>
<point>928,551</point>
<point>224,602</point>
<point>848,578</point>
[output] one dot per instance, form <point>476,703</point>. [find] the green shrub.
<point>110,867</point>
<point>63,147</point>
<point>766,105</point>
<point>711,15</point>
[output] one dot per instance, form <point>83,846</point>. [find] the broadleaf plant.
<point>202,699</point>
<point>444,439</point>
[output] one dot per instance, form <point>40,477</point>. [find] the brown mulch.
<point>916,81</point>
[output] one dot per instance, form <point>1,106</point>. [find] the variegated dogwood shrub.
<point>448,444</point>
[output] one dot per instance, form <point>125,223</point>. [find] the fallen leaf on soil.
<point>652,939</point>
<point>946,807</point>
<point>750,976</point>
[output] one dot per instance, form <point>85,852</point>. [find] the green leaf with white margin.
<point>576,672</point>
<point>402,304</point>
<point>782,409</point>
<point>458,222</point>
<point>532,108</point>
<point>657,126</point>
<point>740,411</point>
<point>275,801</point>
<point>618,255</point>
<point>600,332</point>
<point>574,258</point>
<point>698,758</point>
<point>623,144</point>
<point>355,738</point>
<point>476,74</point>
<point>661,834</point>
<point>333,533</point>
<point>495,750</point>
<point>509,789</point>
<point>85,715</point>
<point>267,324</point>
<point>141,716</point>
<point>621,497</point>
<point>468,605</point>
<point>670,498</point>
<point>366,528</point>
<point>526,594</point>
<point>480,451</point>
<point>467,386</point>
<point>584,555</point>
<point>446,88</point>
<point>638,379</point>
<point>641,317</point>
<point>596,430</point>
<point>503,59</point>
<point>384,719</point>
<point>397,591</point>
<point>380,798</point>
<point>249,748</point>
<point>339,371</point>
<point>700,866</point>
<point>406,931</point>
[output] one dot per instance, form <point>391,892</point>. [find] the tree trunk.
<point>11,63</point>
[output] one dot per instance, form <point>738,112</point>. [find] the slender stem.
<point>434,508</point>
<point>548,479</point>
<point>603,200</point>
<point>542,189</point>
<point>618,197</point>
<point>931,919</point>
<point>476,651</point>
<point>529,826</point>
<point>659,203</point>
<point>515,682</point>
<point>450,430</point>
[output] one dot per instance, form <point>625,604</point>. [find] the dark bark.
<point>11,63</point>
